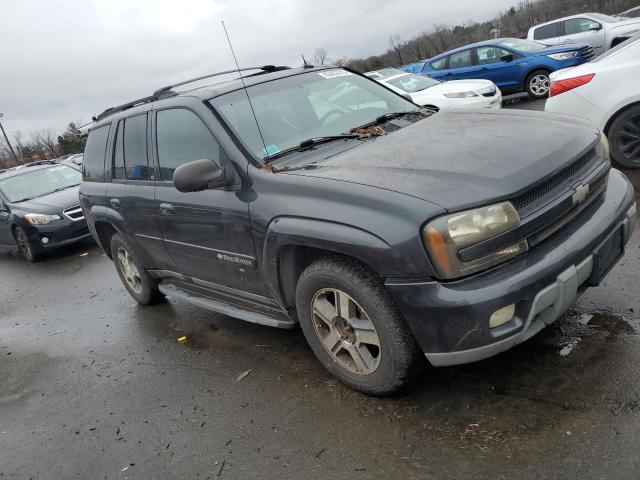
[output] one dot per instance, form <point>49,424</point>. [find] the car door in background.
<point>131,191</point>
<point>208,233</point>
<point>461,66</point>
<point>6,236</point>
<point>584,30</point>
<point>498,65</point>
<point>550,34</point>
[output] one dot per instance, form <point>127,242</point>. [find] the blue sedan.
<point>512,64</point>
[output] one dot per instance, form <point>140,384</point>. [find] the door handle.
<point>115,203</point>
<point>484,69</point>
<point>448,74</point>
<point>167,209</point>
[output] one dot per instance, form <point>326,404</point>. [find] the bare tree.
<point>395,41</point>
<point>320,57</point>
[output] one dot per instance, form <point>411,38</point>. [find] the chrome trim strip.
<point>73,210</point>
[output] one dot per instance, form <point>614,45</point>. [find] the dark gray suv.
<point>316,196</point>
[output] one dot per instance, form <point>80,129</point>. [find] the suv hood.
<point>625,26</point>
<point>567,47</point>
<point>462,158</point>
<point>52,203</point>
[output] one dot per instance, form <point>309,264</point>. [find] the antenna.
<point>245,89</point>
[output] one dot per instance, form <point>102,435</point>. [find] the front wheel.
<point>140,285</point>
<point>537,84</point>
<point>354,328</point>
<point>25,247</point>
<point>624,138</point>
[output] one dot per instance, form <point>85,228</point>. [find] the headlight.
<point>444,237</point>
<point>461,95</point>
<point>563,55</point>
<point>41,218</point>
<point>490,89</point>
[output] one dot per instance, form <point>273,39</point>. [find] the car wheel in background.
<point>537,84</point>
<point>25,246</point>
<point>624,138</point>
<point>140,285</point>
<point>354,328</point>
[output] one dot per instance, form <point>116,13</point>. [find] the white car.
<point>601,31</point>
<point>426,91</point>
<point>607,92</point>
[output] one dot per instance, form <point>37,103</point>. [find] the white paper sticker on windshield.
<point>337,72</point>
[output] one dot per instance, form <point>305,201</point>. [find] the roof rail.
<point>167,91</point>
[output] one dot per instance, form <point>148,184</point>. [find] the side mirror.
<point>507,57</point>
<point>594,27</point>
<point>199,175</point>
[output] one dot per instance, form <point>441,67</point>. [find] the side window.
<point>460,59</point>
<point>487,55</point>
<point>130,152</point>
<point>182,137</point>
<point>548,31</point>
<point>94,153</point>
<point>576,25</point>
<point>439,64</point>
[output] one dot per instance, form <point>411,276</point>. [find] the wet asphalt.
<point>93,386</point>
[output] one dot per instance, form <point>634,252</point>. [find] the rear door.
<point>550,34</point>
<point>208,234</point>
<point>438,68</point>
<point>131,192</point>
<point>492,67</point>
<point>461,66</point>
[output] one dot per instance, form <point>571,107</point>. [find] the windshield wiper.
<point>390,116</point>
<point>310,142</point>
<point>60,189</point>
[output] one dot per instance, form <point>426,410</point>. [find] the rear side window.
<point>94,153</point>
<point>182,137</point>
<point>439,64</point>
<point>460,59</point>
<point>549,31</point>
<point>130,152</point>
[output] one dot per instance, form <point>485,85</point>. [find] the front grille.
<point>74,213</point>
<point>586,52</point>
<point>557,184</point>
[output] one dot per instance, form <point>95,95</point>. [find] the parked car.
<point>73,160</point>
<point>383,72</point>
<point>413,67</point>
<point>601,91</point>
<point>631,13</point>
<point>512,64</point>
<point>602,32</point>
<point>39,208</point>
<point>426,91</point>
<point>386,232</point>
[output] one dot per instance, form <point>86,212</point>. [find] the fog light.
<point>45,240</point>
<point>502,316</point>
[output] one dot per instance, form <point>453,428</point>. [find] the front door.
<point>492,67</point>
<point>579,30</point>
<point>207,234</point>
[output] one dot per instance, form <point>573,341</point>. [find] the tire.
<point>624,138</point>
<point>25,246</point>
<point>537,84</point>
<point>379,370</point>
<point>140,285</point>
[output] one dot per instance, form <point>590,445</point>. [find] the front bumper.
<point>450,320</point>
<point>59,233</point>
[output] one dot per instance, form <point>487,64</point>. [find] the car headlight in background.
<point>487,90</point>
<point>445,236</point>
<point>563,55</point>
<point>41,218</point>
<point>461,95</point>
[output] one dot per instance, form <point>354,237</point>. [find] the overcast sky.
<point>68,60</point>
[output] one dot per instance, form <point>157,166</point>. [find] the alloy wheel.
<point>539,85</point>
<point>129,270</point>
<point>346,331</point>
<point>23,243</point>
<point>627,139</point>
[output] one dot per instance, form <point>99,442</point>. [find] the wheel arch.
<point>104,232</point>
<point>617,113</point>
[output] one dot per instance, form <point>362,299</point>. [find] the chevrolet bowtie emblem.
<point>581,193</point>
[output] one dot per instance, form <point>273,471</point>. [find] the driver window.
<point>488,55</point>
<point>577,25</point>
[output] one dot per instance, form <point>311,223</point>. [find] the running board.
<point>269,317</point>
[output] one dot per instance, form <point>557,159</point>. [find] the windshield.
<point>522,45</point>
<point>606,18</point>
<point>411,83</point>
<point>39,182</point>
<point>310,105</point>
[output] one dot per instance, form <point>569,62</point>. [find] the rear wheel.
<point>537,84</point>
<point>624,138</point>
<point>140,285</point>
<point>26,248</point>
<point>354,328</point>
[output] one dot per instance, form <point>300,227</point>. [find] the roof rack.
<point>166,92</point>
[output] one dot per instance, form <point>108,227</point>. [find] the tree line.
<point>514,22</point>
